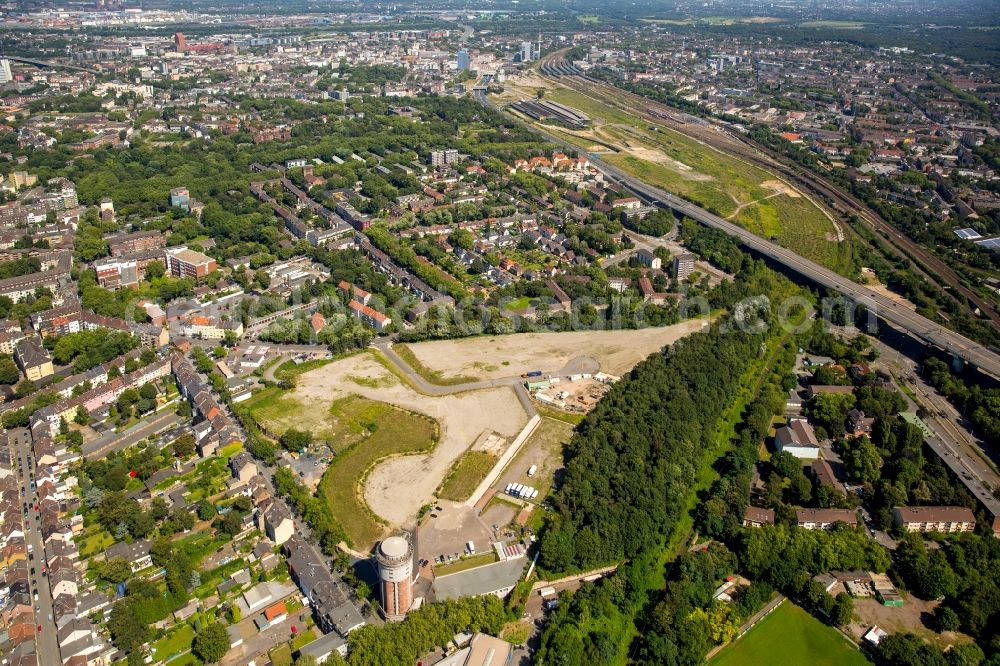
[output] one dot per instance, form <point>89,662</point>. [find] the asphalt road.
<point>920,327</point>
<point>967,456</point>
<point>579,364</point>
<point>45,641</point>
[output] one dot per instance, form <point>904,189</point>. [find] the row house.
<point>47,419</point>
<point>217,429</point>
<point>330,602</point>
<point>22,287</point>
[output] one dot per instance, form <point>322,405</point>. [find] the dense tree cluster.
<point>428,627</point>
<point>786,557</point>
<point>962,569</point>
<point>90,348</point>
<point>313,509</point>
<point>19,267</point>
<point>685,621</point>
<point>625,486</point>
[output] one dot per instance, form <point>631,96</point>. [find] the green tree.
<point>296,440</point>
<point>830,411</point>
<point>843,610</point>
<point>862,460</point>
<point>128,631</point>
<point>211,644</point>
<point>155,270</point>
<point>184,445</point>
<point>946,619</point>
<point>306,660</point>
<point>206,510</point>
<point>9,373</point>
<point>82,416</point>
<point>161,551</point>
<point>115,571</point>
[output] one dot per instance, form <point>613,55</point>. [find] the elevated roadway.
<point>721,136</point>
<point>50,64</point>
<point>931,333</point>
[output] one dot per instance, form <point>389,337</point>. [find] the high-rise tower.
<point>395,571</point>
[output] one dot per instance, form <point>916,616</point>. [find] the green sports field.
<point>790,636</point>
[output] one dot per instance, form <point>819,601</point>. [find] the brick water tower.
<point>395,572</point>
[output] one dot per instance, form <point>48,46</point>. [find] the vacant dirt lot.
<point>398,487</point>
<point>781,187</point>
<point>505,356</point>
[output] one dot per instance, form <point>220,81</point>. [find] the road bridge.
<point>50,64</point>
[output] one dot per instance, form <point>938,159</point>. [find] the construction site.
<point>576,393</point>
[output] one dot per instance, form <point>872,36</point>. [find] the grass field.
<point>96,540</point>
<point>466,475</point>
<point>788,636</point>
<point>173,643</point>
<point>371,431</point>
<point>278,411</point>
<point>281,655</point>
<point>714,180</point>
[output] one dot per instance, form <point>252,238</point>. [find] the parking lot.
<point>449,530</point>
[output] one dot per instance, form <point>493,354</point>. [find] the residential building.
<point>934,518</point>
<point>243,467</point>
<point>858,424</point>
<point>683,266</point>
<point>277,522</point>
<point>816,519</point>
<point>185,263</point>
<point>32,358</point>
<point>756,517</point>
<point>373,318</point>
<point>180,198</point>
<point>441,158</point>
<point>136,242</point>
<point>135,554</point>
<point>797,438</point>
<point>648,259</point>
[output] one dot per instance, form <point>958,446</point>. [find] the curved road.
<point>577,365</point>
<point>885,308</point>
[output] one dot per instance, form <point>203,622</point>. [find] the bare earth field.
<point>396,488</point>
<point>483,357</point>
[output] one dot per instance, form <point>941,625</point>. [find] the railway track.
<point>929,266</point>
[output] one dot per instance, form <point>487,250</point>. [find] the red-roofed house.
<point>276,613</point>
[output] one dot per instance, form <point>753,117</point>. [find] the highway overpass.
<point>887,309</point>
<point>50,64</point>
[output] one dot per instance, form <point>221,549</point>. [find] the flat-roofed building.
<point>186,263</point>
<point>683,266</point>
<point>934,518</point>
